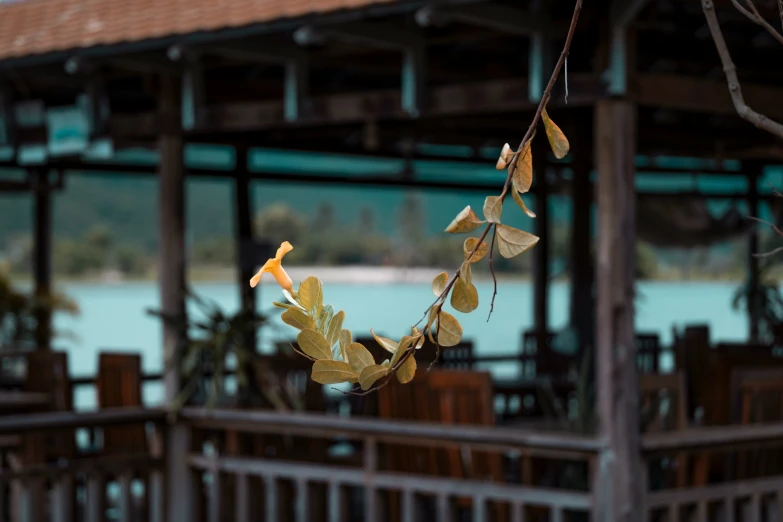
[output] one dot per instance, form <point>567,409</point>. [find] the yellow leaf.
<point>521,203</point>
<point>325,318</point>
<point>345,339</point>
<point>387,344</point>
<point>297,318</point>
<point>557,140</point>
<point>285,306</point>
<point>512,242</point>
<point>449,330</point>
<point>493,208</point>
<point>479,254</point>
<point>311,294</point>
<point>505,155</point>
<point>359,356</point>
<point>333,372</point>
<point>314,344</point>
<point>466,221</point>
<point>439,283</point>
<point>405,343</point>
<point>522,176</point>
<point>431,322</point>
<point>371,374</point>
<point>407,371</point>
<point>466,272</point>
<point>464,298</point>
<point>335,327</point>
<point>416,334</point>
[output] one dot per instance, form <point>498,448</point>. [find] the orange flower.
<point>274,266</point>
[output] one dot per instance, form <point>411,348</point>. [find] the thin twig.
<point>780,9</point>
<point>492,271</point>
<point>745,112</point>
<point>754,16</point>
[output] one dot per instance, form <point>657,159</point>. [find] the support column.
<point>582,316</point>
<point>752,265</point>
<point>541,251</point>
<point>171,224</point>
<point>42,220</point>
<point>244,239</point>
<point>620,480</point>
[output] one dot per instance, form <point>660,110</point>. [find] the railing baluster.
<point>215,496</point>
<point>674,513</point>
<point>154,494</point>
<point>335,502</point>
<point>755,507</point>
<point>517,512</point>
<point>125,501</point>
<point>444,508</point>
<point>728,509</point>
<point>408,514</point>
<point>479,509</point>
<point>302,501</point>
<point>370,466</point>
<point>242,497</point>
<point>32,500</point>
<point>701,511</point>
<point>270,485</point>
<point>96,497</point>
<point>62,499</point>
<point>557,514</point>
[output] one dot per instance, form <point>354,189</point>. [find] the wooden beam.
<point>620,475</point>
<point>42,260</point>
<point>496,96</point>
<point>171,225</point>
<point>701,95</point>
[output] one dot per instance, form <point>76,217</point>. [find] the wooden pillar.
<point>541,252</point>
<point>244,232</point>
<point>171,223</point>
<point>752,266</point>
<point>582,316</point>
<point>619,484</point>
<point>42,267</point>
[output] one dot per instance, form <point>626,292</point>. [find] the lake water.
<point>113,317</point>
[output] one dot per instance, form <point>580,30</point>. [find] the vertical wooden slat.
<point>179,485</point>
<point>302,501</point>
<point>32,500</point>
<point>444,508</point>
<point>557,514</point>
<point>479,509</point>
<point>755,508</point>
<point>125,500</point>
<point>215,496</point>
<point>270,484</point>
<point>335,502</point>
<point>674,513</point>
<point>752,260</point>
<point>728,509</point>
<point>517,512</point>
<point>154,494</point>
<point>95,501</point>
<point>701,511</point>
<point>408,513</point>
<point>62,499</point>
<point>242,498</point>
<point>370,466</point>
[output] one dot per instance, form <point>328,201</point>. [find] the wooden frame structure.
<point>384,78</point>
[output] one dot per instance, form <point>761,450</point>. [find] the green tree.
<point>278,223</point>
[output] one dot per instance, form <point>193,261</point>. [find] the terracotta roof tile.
<point>30,27</point>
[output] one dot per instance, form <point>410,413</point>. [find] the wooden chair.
<point>648,353</point>
<point>545,360</point>
<point>459,357</point>
<point>119,386</point>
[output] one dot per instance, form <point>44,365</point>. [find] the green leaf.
<point>405,343</point>
<point>557,140</point>
<point>464,298</point>
<point>371,374</point>
<point>449,330</point>
<point>311,294</point>
<point>439,283</point>
<point>512,241</point>
<point>466,221</point>
<point>522,176</point>
<point>333,372</point>
<point>359,357</point>
<point>387,344</point>
<point>479,254</point>
<point>519,201</point>
<point>345,339</point>
<point>314,344</point>
<point>335,328</point>
<point>493,208</point>
<point>325,318</point>
<point>286,306</point>
<point>407,371</point>
<point>297,318</point>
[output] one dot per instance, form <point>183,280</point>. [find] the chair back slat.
<point>119,386</point>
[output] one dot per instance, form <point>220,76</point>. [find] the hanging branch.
<point>735,89</point>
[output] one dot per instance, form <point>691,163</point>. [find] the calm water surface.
<point>113,317</point>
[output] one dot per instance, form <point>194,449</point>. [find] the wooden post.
<point>43,255</point>
<point>541,251</point>
<point>619,481</point>
<point>752,266</point>
<point>171,224</point>
<point>582,315</point>
<point>244,238</point>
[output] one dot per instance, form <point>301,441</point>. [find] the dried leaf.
<point>359,357</point>
<point>557,140</point>
<point>512,241</point>
<point>466,221</point>
<point>333,372</point>
<point>466,272</point>
<point>464,298</point>
<point>387,344</point>
<point>522,176</point>
<point>407,371</point>
<point>519,201</point>
<point>335,327</point>
<point>345,339</point>
<point>439,283</point>
<point>479,254</point>
<point>311,294</point>
<point>297,318</point>
<point>449,330</point>
<point>285,306</point>
<point>505,155</point>
<point>431,322</point>
<point>405,343</point>
<point>371,374</point>
<point>493,208</point>
<point>314,344</point>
